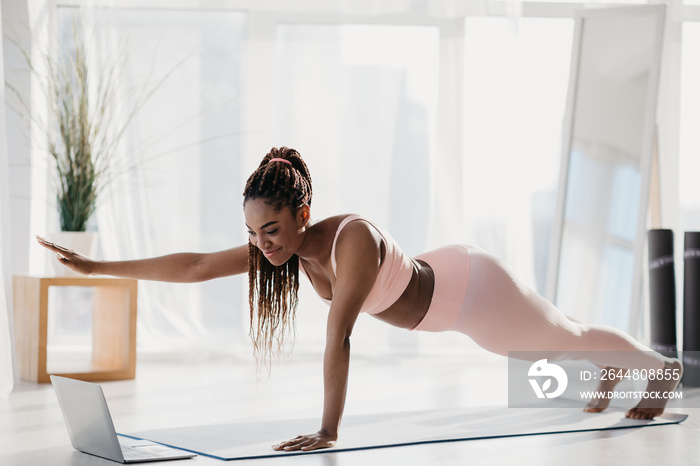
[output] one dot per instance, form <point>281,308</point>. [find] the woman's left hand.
<point>308,442</point>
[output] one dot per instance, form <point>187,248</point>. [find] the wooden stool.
<point>113,327</point>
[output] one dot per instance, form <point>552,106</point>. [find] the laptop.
<point>91,429</point>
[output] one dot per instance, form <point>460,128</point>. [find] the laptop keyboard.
<point>131,453</point>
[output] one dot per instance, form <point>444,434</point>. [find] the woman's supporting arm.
<point>358,254</point>
<point>180,267</point>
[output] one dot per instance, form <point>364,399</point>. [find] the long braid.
<point>273,289</point>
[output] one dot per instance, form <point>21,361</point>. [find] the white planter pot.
<point>83,242</point>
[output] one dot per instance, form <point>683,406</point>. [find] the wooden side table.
<point>113,327</point>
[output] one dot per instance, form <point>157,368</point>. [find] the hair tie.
<point>280,160</point>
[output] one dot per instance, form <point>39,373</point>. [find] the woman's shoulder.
<point>346,228</point>
<point>351,237</point>
<point>340,217</point>
<point>329,232</point>
<point>339,225</point>
<point>333,223</point>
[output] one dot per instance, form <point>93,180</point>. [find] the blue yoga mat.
<point>249,440</point>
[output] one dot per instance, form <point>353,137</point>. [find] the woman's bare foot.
<point>605,386</point>
<point>658,390</point>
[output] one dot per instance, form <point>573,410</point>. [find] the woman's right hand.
<point>71,259</point>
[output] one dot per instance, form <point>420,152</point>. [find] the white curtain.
<point>359,102</point>
<point>6,372</point>
<point>178,181</point>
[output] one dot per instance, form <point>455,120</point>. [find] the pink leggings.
<point>479,296</point>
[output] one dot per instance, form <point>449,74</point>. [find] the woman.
<point>357,267</point>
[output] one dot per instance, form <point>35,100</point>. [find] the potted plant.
<point>84,123</point>
<point>73,135</point>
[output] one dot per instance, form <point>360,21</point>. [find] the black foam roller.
<point>691,309</point>
<point>662,293</point>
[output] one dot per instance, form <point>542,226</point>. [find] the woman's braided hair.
<point>273,289</point>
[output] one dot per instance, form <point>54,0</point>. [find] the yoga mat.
<point>249,440</point>
<point>691,309</point>
<point>662,292</point>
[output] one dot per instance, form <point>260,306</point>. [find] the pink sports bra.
<point>394,274</point>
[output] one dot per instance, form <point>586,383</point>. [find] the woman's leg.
<point>501,314</point>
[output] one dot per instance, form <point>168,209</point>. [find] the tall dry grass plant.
<point>85,120</point>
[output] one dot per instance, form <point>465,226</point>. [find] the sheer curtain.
<point>6,373</point>
<point>359,102</point>
<point>177,184</point>
<point>512,136</point>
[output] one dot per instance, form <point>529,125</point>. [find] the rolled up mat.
<point>662,293</point>
<point>691,309</point>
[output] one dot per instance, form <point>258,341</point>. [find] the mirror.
<point>595,269</point>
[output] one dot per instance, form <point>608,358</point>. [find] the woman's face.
<point>277,233</point>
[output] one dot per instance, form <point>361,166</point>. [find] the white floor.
<point>169,393</point>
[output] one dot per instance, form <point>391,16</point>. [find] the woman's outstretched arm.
<point>180,267</point>
<point>358,254</point>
